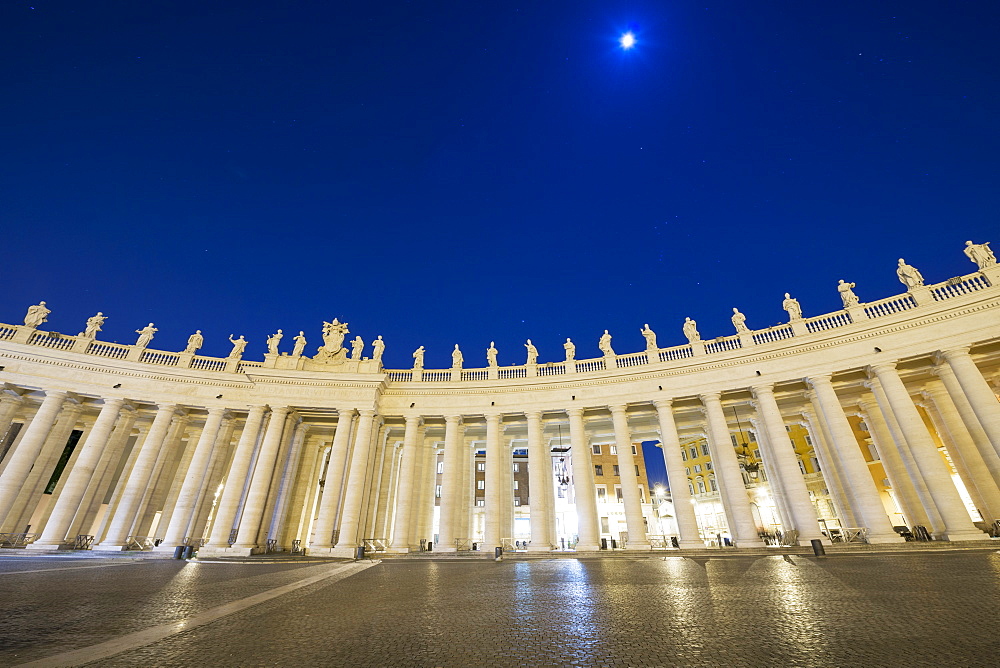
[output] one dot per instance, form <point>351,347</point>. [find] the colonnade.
<point>249,477</point>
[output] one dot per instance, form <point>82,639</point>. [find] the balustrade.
<point>475,374</point>
<point>829,321</point>
<point>208,363</point>
<point>961,285</point>
<point>722,344</point>
<point>590,365</point>
<point>7,332</point>
<point>513,372</point>
<point>631,359</point>
<point>52,340</point>
<point>436,376</point>
<point>552,369</point>
<point>159,357</point>
<point>889,306</point>
<point>675,353</point>
<point>116,351</point>
<point>772,334</point>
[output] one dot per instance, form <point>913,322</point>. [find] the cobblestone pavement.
<point>927,609</point>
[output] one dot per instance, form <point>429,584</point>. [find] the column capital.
<point>167,406</point>
<point>533,415</point>
<point>368,413</point>
<point>114,401</point>
<point>763,388</point>
<point>710,396</point>
<point>492,416</point>
<point>453,419</point>
<point>880,367</point>
<point>617,408</point>
<point>216,410</point>
<point>574,412</point>
<point>663,404</point>
<point>951,353</point>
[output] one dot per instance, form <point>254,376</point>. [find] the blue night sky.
<point>461,172</point>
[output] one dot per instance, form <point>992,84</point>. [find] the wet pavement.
<point>919,609</point>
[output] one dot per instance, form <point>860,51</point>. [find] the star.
<point>627,41</point>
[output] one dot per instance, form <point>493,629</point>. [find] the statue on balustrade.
<point>333,335</point>
<point>378,347</point>
<point>195,342</point>
<point>300,344</point>
<point>273,341</point>
<point>456,358</point>
<point>605,344</point>
<point>847,295</point>
<point>570,349</point>
<point>94,324</point>
<point>418,358</point>
<point>532,352</point>
<point>740,321</point>
<point>909,275</point>
<point>981,254</point>
<point>650,337</point>
<point>145,335</point>
<point>357,347</point>
<point>792,306</point>
<point>491,354</point>
<point>690,329</point>
<point>239,345</point>
<point>36,315</point>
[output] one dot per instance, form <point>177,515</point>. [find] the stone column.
<point>978,392</point>
<point>584,489</point>
<point>10,403</point>
<point>964,439</point>
<point>541,505</point>
<point>670,444</point>
<point>180,518</point>
<point>279,519</point>
<point>637,539</point>
<point>867,504</point>
<point>256,498</point>
<point>232,492</point>
<point>329,502</point>
<point>917,506</point>
<point>209,496</point>
<point>23,457</point>
<point>967,416</point>
<point>840,494</point>
<point>138,480</point>
<point>350,519</point>
<point>786,466</point>
<point>401,533</point>
<point>958,525</point>
<point>727,472</point>
<point>494,479</point>
<point>423,518</point>
<point>451,492</point>
<point>81,475</point>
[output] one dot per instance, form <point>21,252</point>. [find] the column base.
<point>959,536</point>
<point>886,538</point>
<point>540,548</point>
<point>580,547</point>
<point>400,550</point>
<point>691,545</point>
<point>48,545</point>
<point>449,550</point>
<point>209,551</point>
<point>101,547</point>
<point>638,547</point>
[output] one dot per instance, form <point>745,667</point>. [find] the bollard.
<point>498,553</point>
<point>359,552</point>
<point>189,552</point>
<point>818,549</point>
<point>179,552</point>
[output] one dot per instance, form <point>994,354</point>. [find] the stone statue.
<point>650,337</point>
<point>690,330</point>
<point>605,344</point>
<point>740,321</point>
<point>378,347</point>
<point>239,345</point>
<point>195,342</point>
<point>94,324</point>
<point>792,307</point>
<point>145,335</point>
<point>273,341</point>
<point>357,346</point>
<point>456,358</point>
<point>981,254</point>
<point>847,295</point>
<point>418,358</point>
<point>300,344</point>
<point>333,335</point>
<point>491,354</point>
<point>36,315</point>
<point>532,352</point>
<point>570,349</point>
<point>909,275</point>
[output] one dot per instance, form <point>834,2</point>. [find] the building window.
<point>809,440</point>
<point>517,467</point>
<point>440,467</point>
<point>598,469</point>
<point>618,493</point>
<point>634,451</point>
<point>802,467</point>
<point>732,437</point>
<point>517,500</point>
<point>862,426</point>
<point>615,471</point>
<point>815,463</point>
<point>787,428</point>
<point>687,470</point>
<point>701,486</point>
<point>871,448</point>
<point>684,455</point>
<point>636,470</point>
<point>614,449</point>
<point>697,468</point>
<point>597,449</point>
<point>694,453</point>
<point>752,436</point>
<point>480,466</point>
<point>481,502</point>
<point>515,484</point>
<point>480,484</point>
<point>602,492</point>
<point>704,449</point>
<point>642,494</point>
<point>715,486</point>
<point>437,491</point>
<point>690,488</point>
<point>708,466</point>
